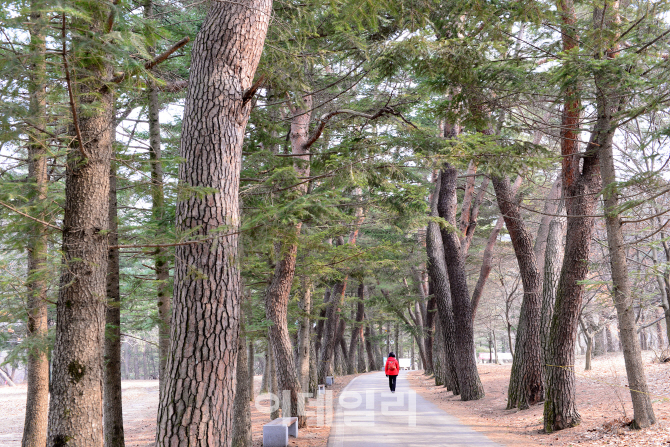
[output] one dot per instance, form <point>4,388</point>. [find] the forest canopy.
<point>308,186</point>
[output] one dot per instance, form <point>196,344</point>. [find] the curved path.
<point>368,415</point>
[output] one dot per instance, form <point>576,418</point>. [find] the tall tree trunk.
<point>276,310</point>
<point>161,261</point>
<point>330,326</point>
<point>589,351</point>
<point>145,365</point>
<point>113,408</point>
<point>356,329</point>
<point>313,382</point>
<point>75,405</point>
<point>251,373</point>
<point>334,306</point>
<point>598,344</point>
<point>265,382</point>
<point>552,205</point>
<point>125,363</point>
<point>241,409</point>
<point>372,364</point>
<point>437,270</point>
<point>468,378</point>
<point>322,321</point>
<point>553,258</point>
<point>37,374</point>
<point>342,363</point>
<point>377,346</point>
<point>305,333</point>
<point>337,360</point>
<point>439,360</point>
<point>487,257</point>
<point>274,388</point>
<point>198,391</point>
<point>666,313</point>
<point>279,290</point>
<point>659,335</point>
<point>418,334</point>
<point>580,187</point>
<point>424,327</point>
<point>330,329</point>
<point>525,387</point>
<point>623,299</point>
<point>136,361</point>
<point>396,338</point>
<point>362,367</point>
<point>429,333</point>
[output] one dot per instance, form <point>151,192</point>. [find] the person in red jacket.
<point>392,370</point>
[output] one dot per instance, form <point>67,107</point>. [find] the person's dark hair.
<point>391,354</point>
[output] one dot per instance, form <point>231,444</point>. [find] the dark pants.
<point>392,380</point>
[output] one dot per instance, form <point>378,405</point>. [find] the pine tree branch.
<point>650,324</point>
<point>29,216</point>
<point>138,338</point>
<point>162,58</point>
<point>328,116</point>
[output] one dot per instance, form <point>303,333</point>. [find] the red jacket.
<point>392,361</point>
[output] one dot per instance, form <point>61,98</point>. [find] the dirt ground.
<point>140,402</point>
<point>602,400</point>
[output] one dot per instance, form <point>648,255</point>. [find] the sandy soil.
<point>312,436</point>
<point>140,402</point>
<point>602,400</point>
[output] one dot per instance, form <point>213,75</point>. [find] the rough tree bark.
<point>552,204</point>
<point>553,258</point>
<point>313,383</point>
<point>250,374</point>
<point>356,329</point>
<point>588,331</point>
<point>429,322</point>
<point>113,408</point>
<point>322,321</point>
<point>75,406</point>
<point>437,270</point>
<point>362,366</point>
<point>241,409</point>
<point>305,333</point>
<point>580,188</point>
<point>468,378</point>
<point>274,389</point>
<point>343,351</point>
<point>334,307</point>
<point>418,334</point>
<point>37,399</point>
<point>329,330</point>
<point>663,279</point>
<point>265,382</point>
<point>198,391</point>
<point>487,257</point>
<point>608,104</point>
<point>525,387</point>
<point>372,364</point>
<point>279,290</point>
<point>423,319</point>
<point>439,361</point>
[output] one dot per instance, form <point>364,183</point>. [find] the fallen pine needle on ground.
<point>603,401</point>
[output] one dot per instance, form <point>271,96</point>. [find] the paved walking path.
<point>368,415</point>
